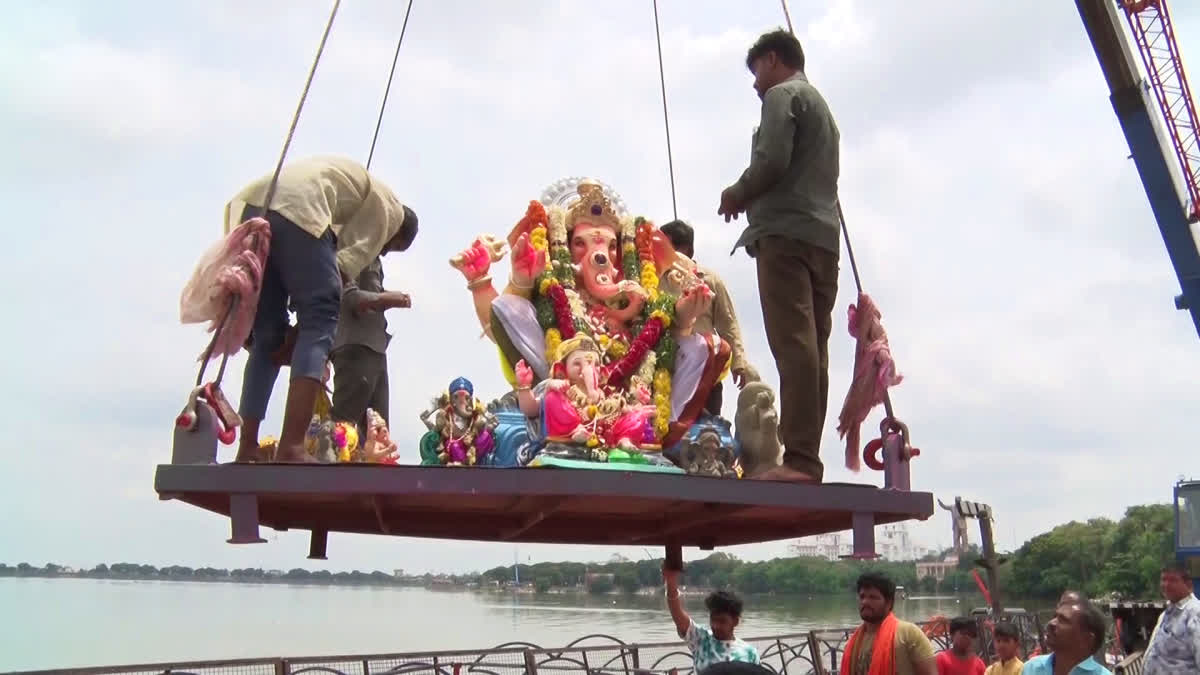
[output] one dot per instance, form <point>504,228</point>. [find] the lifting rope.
<point>662,81</point>
<point>388,89</point>
<point>287,143</point>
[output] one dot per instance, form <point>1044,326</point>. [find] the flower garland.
<point>649,357</point>
<point>659,311</point>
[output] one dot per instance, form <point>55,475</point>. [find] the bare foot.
<point>785,474</point>
<point>247,454</point>
<point>294,455</point>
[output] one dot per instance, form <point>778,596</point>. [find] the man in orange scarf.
<point>883,644</point>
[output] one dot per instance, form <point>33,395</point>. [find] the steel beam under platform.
<point>560,506</point>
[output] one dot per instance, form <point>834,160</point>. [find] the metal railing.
<point>816,652</point>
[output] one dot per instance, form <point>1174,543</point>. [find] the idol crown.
<point>593,206</point>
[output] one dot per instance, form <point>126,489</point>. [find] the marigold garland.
<point>553,340</point>
<point>649,355</point>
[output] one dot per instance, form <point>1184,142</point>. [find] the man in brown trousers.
<point>789,196</point>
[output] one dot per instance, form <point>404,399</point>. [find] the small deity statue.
<point>461,430</point>
<point>577,407</point>
<point>330,442</point>
<point>379,447</point>
<point>756,427</point>
<point>581,267</point>
<point>707,456</point>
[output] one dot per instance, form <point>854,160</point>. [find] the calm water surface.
<point>62,623</point>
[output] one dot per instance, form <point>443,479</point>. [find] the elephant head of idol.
<point>593,232</point>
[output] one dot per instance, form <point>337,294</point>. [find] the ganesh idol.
<point>581,267</point>
<point>577,406</point>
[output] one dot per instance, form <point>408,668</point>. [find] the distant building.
<point>938,568</point>
<point>592,577</point>
<point>398,573</point>
<point>892,542</point>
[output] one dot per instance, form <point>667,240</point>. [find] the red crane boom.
<point>1150,22</point>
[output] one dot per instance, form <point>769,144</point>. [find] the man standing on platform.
<point>720,318</point>
<point>790,198</point>
<point>329,219</point>
<point>883,644</point>
<point>360,370</point>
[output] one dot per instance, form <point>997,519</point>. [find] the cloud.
<point>993,213</point>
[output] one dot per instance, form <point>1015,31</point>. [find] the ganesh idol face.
<point>594,252</point>
<point>461,401</point>
<point>583,369</point>
<point>592,227</point>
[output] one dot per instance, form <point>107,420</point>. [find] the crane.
<point>1169,167</point>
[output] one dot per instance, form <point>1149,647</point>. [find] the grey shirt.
<point>366,328</point>
<point>790,187</point>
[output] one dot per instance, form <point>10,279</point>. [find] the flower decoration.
<point>646,354</point>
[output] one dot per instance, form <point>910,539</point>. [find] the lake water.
<point>62,623</point>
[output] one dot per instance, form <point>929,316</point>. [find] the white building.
<point>892,543</point>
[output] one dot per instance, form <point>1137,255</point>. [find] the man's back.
<point>802,203</point>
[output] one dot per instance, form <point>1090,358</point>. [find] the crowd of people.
<point>331,220</point>
<point>886,645</point>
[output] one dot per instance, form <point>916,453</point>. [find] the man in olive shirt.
<point>359,356</point>
<point>789,196</point>
<point>719,319</point>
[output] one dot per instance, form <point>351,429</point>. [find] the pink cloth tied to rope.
<point>874,372</point>
<point>233,267</point>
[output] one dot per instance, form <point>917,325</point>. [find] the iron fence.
<point>816,652</point>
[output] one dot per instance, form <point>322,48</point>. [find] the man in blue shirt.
<point>1075,633</point>
<point>1175,644</point>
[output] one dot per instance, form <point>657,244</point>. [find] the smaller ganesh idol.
<point>461,430</point>
<point>581,416</point>
<point>378,448</point>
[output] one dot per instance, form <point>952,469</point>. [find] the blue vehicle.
<point>1187,527</point>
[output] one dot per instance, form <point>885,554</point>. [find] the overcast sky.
<point>997,221</point>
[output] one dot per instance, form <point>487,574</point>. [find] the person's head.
<point>1007,640</point>
<point>682,237</point>
<point>404,238</point>
<point>1076,631</point>
<point>876,595</point>
<point>1175,582</point>
<point>724,613</point>
<point>775,57</point>
<point>963,632</point>
<point>1072,596</point>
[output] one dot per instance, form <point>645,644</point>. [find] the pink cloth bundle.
<point>233,267</point>
<point>874,372</point>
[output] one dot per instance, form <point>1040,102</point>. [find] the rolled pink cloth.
<point>231,268</point>
<point>874,372</point>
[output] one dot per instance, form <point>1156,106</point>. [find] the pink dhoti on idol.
<point>561,420</point>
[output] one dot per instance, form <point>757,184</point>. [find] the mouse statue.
<point>756,428</point>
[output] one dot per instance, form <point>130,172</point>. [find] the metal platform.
<point>559,506</point>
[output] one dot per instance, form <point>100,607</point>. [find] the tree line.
<point>1099,556</point>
